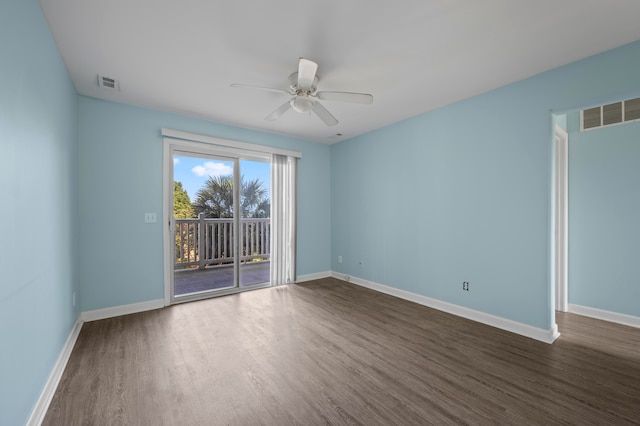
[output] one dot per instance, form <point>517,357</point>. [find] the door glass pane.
<point>255,209</point>
<point>203,212</point>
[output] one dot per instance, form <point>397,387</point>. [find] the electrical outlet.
<point>347,278</point>
<point>465,285</point>
<point>339,259</point>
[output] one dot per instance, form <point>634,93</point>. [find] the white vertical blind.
<point>283,219</point>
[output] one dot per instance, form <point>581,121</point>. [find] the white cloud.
<point>211,168</point>
<point>176,160</point>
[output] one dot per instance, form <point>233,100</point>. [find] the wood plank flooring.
<point>327,352</point>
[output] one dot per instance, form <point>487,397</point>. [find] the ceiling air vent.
<point>612,113</point>
<point>591,118</point>
<point>108,83</point>
<point>606,115</point>
<point>632,109</point>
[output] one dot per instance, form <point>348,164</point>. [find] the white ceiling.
<point>412,55</point>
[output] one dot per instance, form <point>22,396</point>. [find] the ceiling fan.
<point>303,89</point>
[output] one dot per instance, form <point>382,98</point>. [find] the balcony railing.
<point>204,242</point>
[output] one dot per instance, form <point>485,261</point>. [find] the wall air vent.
<point>610,114</point>
<point>108,83</point>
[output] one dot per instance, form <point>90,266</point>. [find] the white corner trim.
<point>546,336</point>
<point>42,405</point>
<point>311,277</point>
<point>601,314</point>
<point>117,311</point>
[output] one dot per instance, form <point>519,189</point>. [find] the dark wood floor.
<point>327,352</point>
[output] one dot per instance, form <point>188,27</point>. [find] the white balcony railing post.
<point>202,258</point>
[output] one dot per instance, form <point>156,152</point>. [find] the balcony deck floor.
<point>219,277</point>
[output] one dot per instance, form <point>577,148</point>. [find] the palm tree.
<point>252,194</point>
<point>215,198</point>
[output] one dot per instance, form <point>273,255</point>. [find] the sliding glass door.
<point>220,223</point>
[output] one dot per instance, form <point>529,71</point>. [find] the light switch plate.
<point>150,218</point>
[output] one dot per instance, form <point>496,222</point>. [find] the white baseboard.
<point>117,311</point>
<point>601,314</point>
<point>311,277</point>
<point>546,336</point>
<point>42,405</point>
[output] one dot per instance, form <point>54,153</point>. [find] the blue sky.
<point>193,172</point>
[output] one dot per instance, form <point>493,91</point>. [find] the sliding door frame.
<point>192,142</point>
<point>177,147</point>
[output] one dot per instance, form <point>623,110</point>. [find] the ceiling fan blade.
<point>324,115</point>
<point>278,112</point>
<point>268,89</point>
<point>357,98</point>
<point>306,73</point>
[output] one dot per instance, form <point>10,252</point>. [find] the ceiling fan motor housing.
<point>293,84</point>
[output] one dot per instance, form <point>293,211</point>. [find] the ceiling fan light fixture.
<point>302,104</point>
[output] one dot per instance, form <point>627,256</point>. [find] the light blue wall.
<point>604,224</point>
<point>38,213</point>
<point>463,193</point>
<point>121,259</point>
<point>459,194</point>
